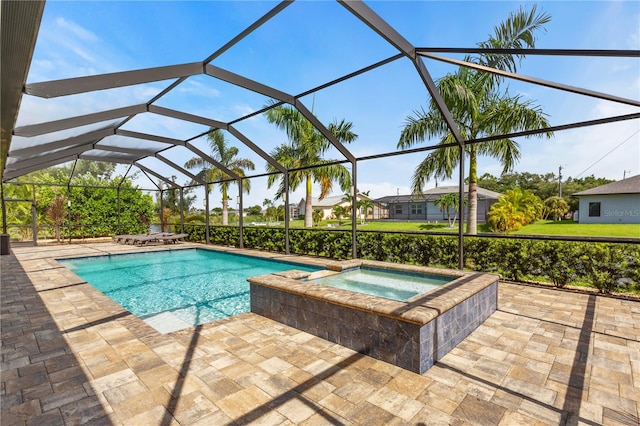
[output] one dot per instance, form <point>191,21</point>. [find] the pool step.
<point>165,322</point>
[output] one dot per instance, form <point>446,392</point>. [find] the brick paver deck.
<point>72,356</point>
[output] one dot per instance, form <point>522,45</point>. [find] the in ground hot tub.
<point>411,333</point>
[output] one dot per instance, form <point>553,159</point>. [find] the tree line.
<point>542,185</point>
<point>83,199</point>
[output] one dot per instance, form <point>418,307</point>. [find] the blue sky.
<point>312,42</point>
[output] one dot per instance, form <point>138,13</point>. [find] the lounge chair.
<point>140,240</point>
<point>121,238</point>
<point>172,238</point>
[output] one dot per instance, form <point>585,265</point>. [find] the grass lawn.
<point>543,227</point>
<point>384,225</point>
<point>571,228</point>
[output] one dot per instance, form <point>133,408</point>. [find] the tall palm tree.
<point>305,148</point>
<point>480,109</point>
<point>226,155</point>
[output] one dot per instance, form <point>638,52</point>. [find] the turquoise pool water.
<point>396,285</point>
<point>196,286</point>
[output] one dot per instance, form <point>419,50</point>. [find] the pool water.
<point>195,286</point>
<point>395,285</point>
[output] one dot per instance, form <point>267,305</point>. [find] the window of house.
<point>594,209</point>
<point>416,209</point>
<point>398,209</point>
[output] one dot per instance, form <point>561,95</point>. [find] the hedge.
<point>605,266</point>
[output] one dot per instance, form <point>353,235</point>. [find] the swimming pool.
<point>396,285</point>
<point>177,288</point>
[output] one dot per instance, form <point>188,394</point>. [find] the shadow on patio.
<point>42,381</point>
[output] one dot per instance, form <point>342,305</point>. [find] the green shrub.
<point>560,260</point>
<point>606,266</point>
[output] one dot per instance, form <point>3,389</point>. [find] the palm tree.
<point>445,202</point>
<point>227,156</point>
<point>363,204</point>
<point>340,211</point>
<point>555,207</point>
<point>318,215</point>
<point>305,148</point>
<point>480,109</point>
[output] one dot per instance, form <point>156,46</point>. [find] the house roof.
<point>328,201</point>
<point>435,193</point>
<point>625,186</point>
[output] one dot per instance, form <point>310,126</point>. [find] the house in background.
<point>328,203</point>
<point>615,202</point>
<point>422,206</point>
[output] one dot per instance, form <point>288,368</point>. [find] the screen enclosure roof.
<point>152,134</point>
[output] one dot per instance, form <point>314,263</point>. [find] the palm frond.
<point>516,32</point>
<point>438,164</point>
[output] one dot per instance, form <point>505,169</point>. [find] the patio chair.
<point>172,238</point>
<point>139,240</point>
<point>121,238</point>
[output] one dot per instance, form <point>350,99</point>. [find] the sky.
<point>310,43</point>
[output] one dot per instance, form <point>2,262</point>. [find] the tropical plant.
<point>305,148</point>
<point>227,156</point>
<point>318,214</point>
<point>270,210</point>
<point>555,207</point>
<point>339,212</point>
<point>56,212</point>
<point>254,210</point>
<point>171,197</point>
<point>446,202</point>
<point>164,218</point>
<point>480,109</point>
<point>365,205</point>
<point>514,209</point>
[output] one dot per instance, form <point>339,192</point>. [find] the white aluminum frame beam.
<point>140,153</point>
<point>265,18</point>
<point>386,31</point>
<point>187,117</point>
<point>534,80</point>
<point>10,174</point>
<point>322,129</point>
<point>49,157</point>
<point>149,137</point>
<point>77,121</point>
<point>159,176</point>
<point>246,83</point>
<point>73,86</point>
<point>245,140</point>
<point>211,161</point>
<point>83,139</point>
<point>105,159</point>
<point>180,169</point>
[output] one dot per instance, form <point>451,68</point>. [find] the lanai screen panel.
<point>314,55</point>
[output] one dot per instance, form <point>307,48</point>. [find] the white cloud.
<point>193,87</point>
<point>383,189</point>
<point>75,29</point>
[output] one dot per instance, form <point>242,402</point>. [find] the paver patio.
<point>72,356</point>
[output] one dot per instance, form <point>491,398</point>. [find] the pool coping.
<point>419,310</point>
